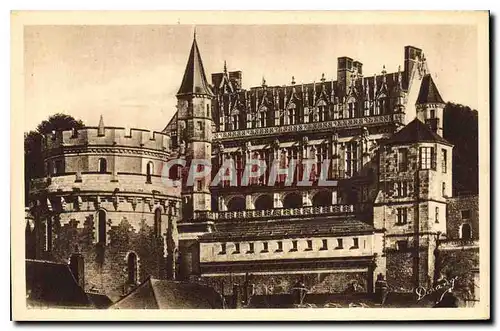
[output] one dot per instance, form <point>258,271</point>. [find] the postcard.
<point>300,165</point>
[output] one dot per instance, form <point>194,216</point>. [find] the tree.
<point>460,126</point>
<point>33,157</point>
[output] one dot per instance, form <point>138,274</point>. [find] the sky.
<point>130,74</point>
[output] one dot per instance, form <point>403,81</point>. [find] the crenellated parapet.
<point>108,136</point>
<point>106,150</point>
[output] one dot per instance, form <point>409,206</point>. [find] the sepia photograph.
<point>191,165</point>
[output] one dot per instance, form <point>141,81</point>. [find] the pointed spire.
<point>225,67</point>
<point>306,97</point>
<point>425,66</point>
<point>332,92</point>
<point>100,128</point>
<point>293,88</point>
<point>263,81</point>
<point>400,79</point>
<point>367,89</point>
<point>383,73</point>
<point>428,91</point>
<point>314,93</point>
<point>323,87</point>
<point>194,80</point>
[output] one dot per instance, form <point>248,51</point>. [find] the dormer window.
<point>262,117</point>
<point>351,108</point>
<point>321,113</point>
<point>291,116</point>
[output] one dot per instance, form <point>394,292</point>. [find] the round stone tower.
<point>104,207</point>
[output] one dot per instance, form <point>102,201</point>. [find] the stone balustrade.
<point>315,126</point>
<point>276,212</point>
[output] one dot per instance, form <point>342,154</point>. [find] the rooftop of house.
<point>167,294</point>
<point>51,284</point>
<point>416,132</point>
<point>333,225</point>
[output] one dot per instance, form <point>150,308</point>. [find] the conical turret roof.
<point>416,132</point>
<point>428,91</point>
<point>194,80</point>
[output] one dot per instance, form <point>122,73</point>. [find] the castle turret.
<point>194,123</point>
<point>415,182</point>
<point>430,105</point>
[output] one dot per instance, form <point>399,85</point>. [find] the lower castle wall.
<point>400,270</point>
<point>105,266</point>
<point>461,263</point>
<point>282,283</point>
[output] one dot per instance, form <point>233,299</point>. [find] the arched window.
<point>208,110</point>
<point>322,198</point>
<point>466,232</point>
<point>132,268</point>
<point>236,204</point>
<point>292,200</point>
<point>149,172</point>
<point>101,227</point>
<point>157,223</point>
<point>103,166</point>
<point>77,267</point>
<point>174,172</point>
<point>264,202</point>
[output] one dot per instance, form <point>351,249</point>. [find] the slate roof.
<point>194,80</point>
<point>428,91</point>
<point>51,284</point>
<point>416,132</point>
<point>287,228</point>
<point>166,294</point>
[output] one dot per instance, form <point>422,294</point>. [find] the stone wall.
<point>463,210</point>
<point>282,283</point>
<point>401,272</point>
<point>105,265</point>
<point>129,228</point>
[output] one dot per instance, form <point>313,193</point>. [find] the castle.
<point>104,207</point>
